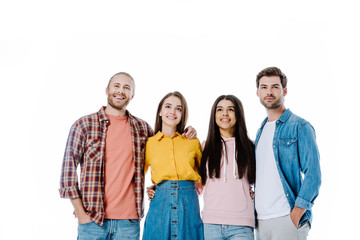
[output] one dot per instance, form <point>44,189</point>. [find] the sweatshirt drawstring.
<point>226,160</point>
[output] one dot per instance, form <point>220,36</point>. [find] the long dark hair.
<point>245,149</point>
<point>181,126</point>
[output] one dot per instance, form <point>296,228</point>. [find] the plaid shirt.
<point>86,146</point>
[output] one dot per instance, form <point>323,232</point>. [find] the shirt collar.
<point>159,135</point>
<point>283,118</point>
<point>104,117</point>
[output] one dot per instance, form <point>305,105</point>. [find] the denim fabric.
<point>297,160</point>
<point>111,229</point>
<point>227,232</point>
<point>174,213</point>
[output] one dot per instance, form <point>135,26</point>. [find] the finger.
<point>186,130</point>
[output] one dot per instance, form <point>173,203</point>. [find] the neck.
<point>274,114</point>
<point>227,133</point>
<point>168,131</point>
<point>115,112</point>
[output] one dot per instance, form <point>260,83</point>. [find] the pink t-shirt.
<point>119,197</point>
<point>227,199</point>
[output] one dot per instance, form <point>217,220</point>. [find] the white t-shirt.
<point>270,199</point>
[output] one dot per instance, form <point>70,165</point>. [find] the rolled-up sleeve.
<point>69,187</point>
<point>310,166</point>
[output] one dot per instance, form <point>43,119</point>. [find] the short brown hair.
<point>269,72</point>
<point>122,73</point>
<point>181,126</point>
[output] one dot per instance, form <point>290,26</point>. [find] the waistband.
<point>183,184</point>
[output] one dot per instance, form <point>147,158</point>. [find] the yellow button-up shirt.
<point>175,158</point>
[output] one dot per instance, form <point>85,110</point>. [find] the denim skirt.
<point>174,213</point>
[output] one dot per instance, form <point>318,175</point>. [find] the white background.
<point>56,58</point>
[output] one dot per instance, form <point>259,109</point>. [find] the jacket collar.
<point>283,118</point>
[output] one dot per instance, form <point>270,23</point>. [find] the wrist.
<point>298,211</point>
<point>82,213</point>
<point>84,218</point>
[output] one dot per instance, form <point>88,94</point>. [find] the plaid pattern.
<point>86,146</point>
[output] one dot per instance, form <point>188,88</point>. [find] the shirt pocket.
<point>288,149</point>
<point>93,149</point>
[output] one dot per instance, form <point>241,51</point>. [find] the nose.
<point>120,90</point>
<point>225,113</point>
<point>171,111</point>
<point>269,92</point>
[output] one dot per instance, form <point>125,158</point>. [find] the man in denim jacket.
<point>288,173</point>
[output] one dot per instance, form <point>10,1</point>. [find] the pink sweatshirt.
<point>227,199</point>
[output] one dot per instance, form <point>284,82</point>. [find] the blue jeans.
<point>224,232</point>
<point>112,229</point>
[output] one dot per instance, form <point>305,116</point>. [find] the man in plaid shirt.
<point>109,146</point>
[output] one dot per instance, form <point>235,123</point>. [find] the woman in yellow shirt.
<point>174,162</point>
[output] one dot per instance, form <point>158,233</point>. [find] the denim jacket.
<point>297,160</point>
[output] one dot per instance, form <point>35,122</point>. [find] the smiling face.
<point>120,91</point>
<point>171,112</point>
<point>270,92</point>
<point>225,117</point>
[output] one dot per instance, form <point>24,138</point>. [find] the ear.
<point>132,96</point>
<point>107,91</point>
<point>257,92</point>
<point>284,92</point>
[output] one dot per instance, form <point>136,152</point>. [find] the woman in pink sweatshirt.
<point>227,170</point>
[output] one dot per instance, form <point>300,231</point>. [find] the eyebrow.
<point>171,105</point>
<point>227,106</point>
<point>265,85</point>
<point>127,85</point>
